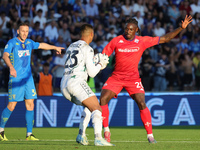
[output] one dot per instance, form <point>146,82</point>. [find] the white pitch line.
<point>62,140</point>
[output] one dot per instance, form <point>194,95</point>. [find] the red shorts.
<point>116,84</point>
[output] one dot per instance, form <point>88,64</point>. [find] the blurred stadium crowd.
<point>174,66</point>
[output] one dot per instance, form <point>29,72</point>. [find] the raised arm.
<point>46,46</point>
<point>166,38</point>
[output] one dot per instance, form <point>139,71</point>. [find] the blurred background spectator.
<point>5,7</point>
<point>41,5</point>
<point>40,19</point>
<point>162,66</point>
<point>65,34</point>
<point>4,20</point>
<point>51,32</point>
<point>44,82</point>
<point>58,70</point>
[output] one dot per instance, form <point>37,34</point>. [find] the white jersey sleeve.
<point>92,69</point>
<point>79,61</point>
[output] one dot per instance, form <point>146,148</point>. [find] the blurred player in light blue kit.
<point>17,56</point>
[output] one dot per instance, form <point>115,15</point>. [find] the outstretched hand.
<point>187,20</point>
<point>59,49</point>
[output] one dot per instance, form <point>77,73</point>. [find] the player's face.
<point>130,30</point>
<point>23,32</point>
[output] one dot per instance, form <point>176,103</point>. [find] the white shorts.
<point>75,90</point>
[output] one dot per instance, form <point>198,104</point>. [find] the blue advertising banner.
<point>167,109</point>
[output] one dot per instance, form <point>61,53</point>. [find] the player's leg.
<point>15,94</point>
<point>30,95</point>
<point>110,89</point>
<point>83,95</point>
<point>4,118</point>
<point>93,105</point>
<point>84,121</point>
<point>30,119</point>
<point>106,96</point>
<point>67,88</point>
<point>145,115</point>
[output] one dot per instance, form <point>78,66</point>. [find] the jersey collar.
<point>19,40</point>
<point>129,40</point>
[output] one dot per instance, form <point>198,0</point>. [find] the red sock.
<point>146,119</point>
<point>105,115</point>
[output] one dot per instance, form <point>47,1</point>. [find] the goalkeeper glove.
<point>101,59</point>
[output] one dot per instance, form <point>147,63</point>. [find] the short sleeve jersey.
<point>128,53</point>
<point>20,55</point>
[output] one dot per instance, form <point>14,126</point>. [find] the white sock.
<point>97,123</point>
<point>85,119</point>
<point>1,129</point>
<point>149,135</point>
<point>28,133</point>
<point>106,129</point>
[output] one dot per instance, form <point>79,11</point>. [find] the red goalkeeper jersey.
<point>128,53</point>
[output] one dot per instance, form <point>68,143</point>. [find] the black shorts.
<point>197,81</point>
<point>187,79</point>
<point>171,77</point>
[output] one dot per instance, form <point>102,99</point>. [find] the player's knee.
<point>104,100</point>
<point>96,116</point>
<point>11,106</point>
<point>86,113</point>
<point>96,108</point>
<point>30,106</point>
<point>142,105</point>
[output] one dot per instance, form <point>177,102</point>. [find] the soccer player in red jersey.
<point>128,50</point>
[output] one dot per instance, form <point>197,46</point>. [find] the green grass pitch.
<point>125,138</point>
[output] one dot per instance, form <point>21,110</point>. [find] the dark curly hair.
<point>134,21</point>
